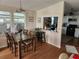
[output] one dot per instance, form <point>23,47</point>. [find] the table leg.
<point>34,44</point>
<point>19,51</point>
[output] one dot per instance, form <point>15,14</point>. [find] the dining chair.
<point>25,42</point>
<point>12,43</point>
<point>15,44</point>
<point>9,41</point>
<point>28,41</point>
<point>41,36</point>
<point>25,31</point>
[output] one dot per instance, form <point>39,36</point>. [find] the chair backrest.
<point>25,32</point>
<point>40,34</point>
<point>9,40</point>
<point>63,56</point>
<point>31,33</point>
<point>8,37</point>
<point>13,39</point>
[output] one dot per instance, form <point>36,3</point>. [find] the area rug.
<point>71,49</point>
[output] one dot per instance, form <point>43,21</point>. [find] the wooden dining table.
<point>21,39</point>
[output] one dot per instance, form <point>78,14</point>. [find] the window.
<point>6,21</point>
<point>19,20</point>
<point>4,14</point>
<point>1,20</point>
<point>5,18</point>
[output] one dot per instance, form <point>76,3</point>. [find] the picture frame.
<point>31,19</point>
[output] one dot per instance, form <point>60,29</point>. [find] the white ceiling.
<point>38,4</point>
<point>29,4</point>
<point>73,4</point>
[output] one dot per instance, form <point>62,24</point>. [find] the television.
<point>50,23</point>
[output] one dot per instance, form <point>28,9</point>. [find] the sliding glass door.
<point>9,20</point>
<point>19,20</point>
<point>5,20</point>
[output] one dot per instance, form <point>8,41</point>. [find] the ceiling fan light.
<point>20,9</point>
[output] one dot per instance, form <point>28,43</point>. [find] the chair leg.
<point>12,48</point>
<point>24,49</point>
<point>32,45</point>
<point>27,48</point>
<point>44,38</point>
<point>15,49</point>
<point>8,44</point>
<point>41,41</point>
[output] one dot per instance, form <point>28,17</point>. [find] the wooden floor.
<point>45,51</point>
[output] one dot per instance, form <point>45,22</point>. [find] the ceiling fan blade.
<point>22,9</point>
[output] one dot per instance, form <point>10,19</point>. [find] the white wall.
<point>57,9</point>
<point>31,24</point>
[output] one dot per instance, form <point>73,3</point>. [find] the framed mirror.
<point>50,23</point>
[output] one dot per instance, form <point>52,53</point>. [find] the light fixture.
<point>20,9</point>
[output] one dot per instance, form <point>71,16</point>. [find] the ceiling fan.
<point>20,9</point>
